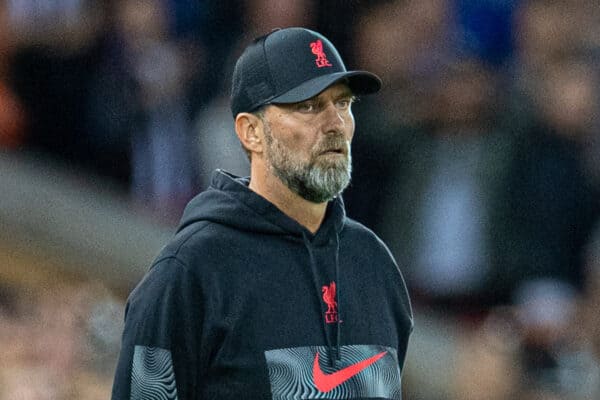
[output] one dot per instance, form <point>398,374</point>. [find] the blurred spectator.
<point>488,364</point>
<point>589,319</point>
<point>219,26</point>
<point>163,162</point>
<point>49,342</point>
<point>546,30</point>
<point>486,28</point>
<point>11,112</point>
<point>55,48</point>
<point>546,312</point>
<point>439,213</point>
<point>531,351</point>
<point>262,16</point>
<point>218,145</point>
<point>550,201</point>
<point>405,43</point>
<point>12,119</point>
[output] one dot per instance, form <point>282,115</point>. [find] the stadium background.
<point>478,163</point>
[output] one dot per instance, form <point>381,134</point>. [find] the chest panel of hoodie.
<point>265,296</point>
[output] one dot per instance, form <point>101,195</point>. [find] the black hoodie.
<point>245,303</point>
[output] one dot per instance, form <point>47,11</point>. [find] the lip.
<point>340,152</point>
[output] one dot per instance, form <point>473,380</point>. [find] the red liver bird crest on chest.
<point>329,295</point>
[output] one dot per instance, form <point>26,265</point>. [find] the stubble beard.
<point>317,180</point>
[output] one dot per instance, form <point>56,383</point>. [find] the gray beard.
<point>315,180</point>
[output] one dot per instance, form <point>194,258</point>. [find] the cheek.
<point>299,143</point>
<point>349,122</point>
<point>295,138</point>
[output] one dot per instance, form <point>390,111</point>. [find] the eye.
<point>306,107</point>
<point>344,103</point>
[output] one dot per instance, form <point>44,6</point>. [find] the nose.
<point>334,120</point>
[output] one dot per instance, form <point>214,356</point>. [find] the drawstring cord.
<point>338,328</point>
<point>317,286</point>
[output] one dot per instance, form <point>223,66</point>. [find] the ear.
<point>249,129</point>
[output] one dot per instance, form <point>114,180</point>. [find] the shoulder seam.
<point>176,252</point>
<point>201,227</point>
<point>182,264</point>
<point>170,257</point>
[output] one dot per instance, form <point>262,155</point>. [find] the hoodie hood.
<point>228,201</point>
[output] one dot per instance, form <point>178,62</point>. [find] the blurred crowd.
<point>478,163</point>
<point>58,341</point>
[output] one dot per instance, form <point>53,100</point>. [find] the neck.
<point>306,213</point>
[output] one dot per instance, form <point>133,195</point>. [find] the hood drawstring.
<point>314,269</point>
<point>338,327</point>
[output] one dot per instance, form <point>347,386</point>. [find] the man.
<point>268,291</point>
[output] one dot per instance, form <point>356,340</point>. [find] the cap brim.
<point>360,82</point>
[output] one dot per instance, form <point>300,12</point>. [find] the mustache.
<point>337,143</point>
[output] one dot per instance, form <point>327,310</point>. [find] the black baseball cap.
<point>291,65</point>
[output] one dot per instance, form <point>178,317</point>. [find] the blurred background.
<point>478,164</point>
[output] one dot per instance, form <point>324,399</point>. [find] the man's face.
<point>307,144</point>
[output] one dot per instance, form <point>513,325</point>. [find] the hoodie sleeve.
<point>160,350</point>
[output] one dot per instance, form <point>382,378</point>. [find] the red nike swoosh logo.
<point>327,382</point>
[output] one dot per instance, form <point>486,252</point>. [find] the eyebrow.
<point>346,92</point>
<point>346,95</point>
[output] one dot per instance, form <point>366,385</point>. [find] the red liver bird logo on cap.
<point>331,315</point>
<point>317,49</point>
